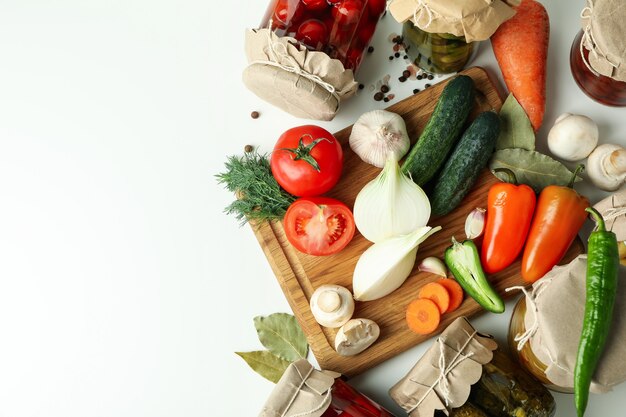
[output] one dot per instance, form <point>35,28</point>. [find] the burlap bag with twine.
<point>475,20</point>
<point>443,377</point>
<point>554,320</point>
<point>604,35</point>
<point>307,84</point>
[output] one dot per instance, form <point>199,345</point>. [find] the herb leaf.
<point>515,128</point>
<point>281,335</point>
<point>532,168</point>
<point>265,363</point>
<point>259,195</point>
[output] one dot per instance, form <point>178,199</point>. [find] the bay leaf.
<point>281,334</point>
<point>531,168</point>
<point>515,128</point>
<point>265,363</point>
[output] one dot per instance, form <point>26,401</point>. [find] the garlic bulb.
<point>606,167</point>
<point>573,137</point>
<point>332,305</point>
<point>384,266</point>
<point>355,336</point>
<point>390,205</point>
<point>377,135</point>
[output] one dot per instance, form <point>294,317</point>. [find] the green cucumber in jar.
<point>468,159</point>
<point>442,130</point>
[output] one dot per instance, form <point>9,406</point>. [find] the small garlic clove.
<point>475,223</point>
<point>433,265</point>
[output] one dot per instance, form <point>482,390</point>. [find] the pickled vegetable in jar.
<point>342,29</point>
<point>597,57</point>
<point>440,53</point>
<point>440,34</point>
<point>305,391</point>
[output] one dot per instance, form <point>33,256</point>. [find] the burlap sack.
<point>554,322</point>
<point>445,374</point>
<point>604,26</point>
<point>476,20</point>
<point>302,390</point>
<point>613,210</point>
<point>307,84</point>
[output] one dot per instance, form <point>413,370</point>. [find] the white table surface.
<point>124,289</point>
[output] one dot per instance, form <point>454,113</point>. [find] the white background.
<point>124,290</point>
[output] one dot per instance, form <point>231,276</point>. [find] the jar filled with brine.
<point>305,391</point>
<point>441,36</point>
<point>304,56</point>
<point>598,54</point>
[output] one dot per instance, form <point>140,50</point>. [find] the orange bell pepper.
<point>560,215</point>
<point>510,209</point>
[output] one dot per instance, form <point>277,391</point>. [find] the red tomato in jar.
<point>377,7</point>
<point>307,161</point>
<point>312,32</point>
<point>287,11</point>
<point>319,225</point>
<point>315,4</point>
<point>347,12</point>
<point>353,58</point>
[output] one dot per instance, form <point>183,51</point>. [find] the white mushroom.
<point>606,167</point>
<point>573,137</point>
<point>355,336</point>
<point>332,305</point>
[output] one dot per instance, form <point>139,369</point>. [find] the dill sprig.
<point>259,197</point>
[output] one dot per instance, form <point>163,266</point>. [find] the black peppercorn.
<point>397,54</point>
<point>386,99</point>
<point>385,88</point>
<point>391,57</point>
<point>419,77</point>
<point>430,76</point>
<point>370,49</point>
<point>406,57</point>
<point>415,91</point>
<point>402,79</point>
<point>427,85</point>
<point>378,96</point>
<point>255,114</point>
<point>248,148</point>
<point>406,73</point>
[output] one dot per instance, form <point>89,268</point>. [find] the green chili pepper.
<point>464,262</point>
<point>602,272</point>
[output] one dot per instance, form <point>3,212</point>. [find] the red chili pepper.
<point>560,215</point>
<point>510,209</point>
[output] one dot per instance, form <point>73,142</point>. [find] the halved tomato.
<point>319,225</point>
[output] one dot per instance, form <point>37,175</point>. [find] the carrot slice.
<point>438,294</point>
<point>455,291</point>
<point>423,316</point>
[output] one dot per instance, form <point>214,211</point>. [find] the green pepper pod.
<point>464,262</point>
<point>602,272</point>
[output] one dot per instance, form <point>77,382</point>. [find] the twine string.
<point>279,57</point>
<point>323,404</point>
<point>588,39</point>
<point>444,371</point>
<point>422,9</point>
<point>531,303</point>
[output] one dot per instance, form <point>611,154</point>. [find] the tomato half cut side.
<point>319,226</point>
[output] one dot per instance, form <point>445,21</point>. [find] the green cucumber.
<point>468,159</point>
<point>442,130</point>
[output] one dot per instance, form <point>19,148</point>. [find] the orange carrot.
<point>455,291</point>
<point>521,47</point>
<point>438,294</point>
<point>423,316</point>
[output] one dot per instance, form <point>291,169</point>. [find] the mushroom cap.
<point>573,137</point>
<point>332,305</point>
<point>606,167</point>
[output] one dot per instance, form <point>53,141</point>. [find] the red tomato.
<point>319,226</point>
<point>348,12</point>
<point>307,161</point>
<point>377,7</point>
<point>312,32</point>
<point>287,11</point>
<point>315,4</point>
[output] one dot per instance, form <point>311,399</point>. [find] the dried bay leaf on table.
<point>281,334</point>
<point>530,167</point>
<point>265,363</point>
<point>515,128</point>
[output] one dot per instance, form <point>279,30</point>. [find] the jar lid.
<point>304,83</point>
<point>553,327</point>
<point>476,20</point>
<point>604,27</point>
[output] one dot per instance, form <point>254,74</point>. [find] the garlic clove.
<point>475,223</point>
<point>433,265</point>
<point>378,135</point>
<point>355,336</point>
<point>606,167</point>
<point>332,305</point>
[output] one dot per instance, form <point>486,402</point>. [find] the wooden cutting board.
<point>299,274</point>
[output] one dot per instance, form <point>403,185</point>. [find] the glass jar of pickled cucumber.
<point>440,53</point>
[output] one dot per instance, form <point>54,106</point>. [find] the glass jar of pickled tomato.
<point>342,29</point>
<point>348,402</point>
<point>597,57</point>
